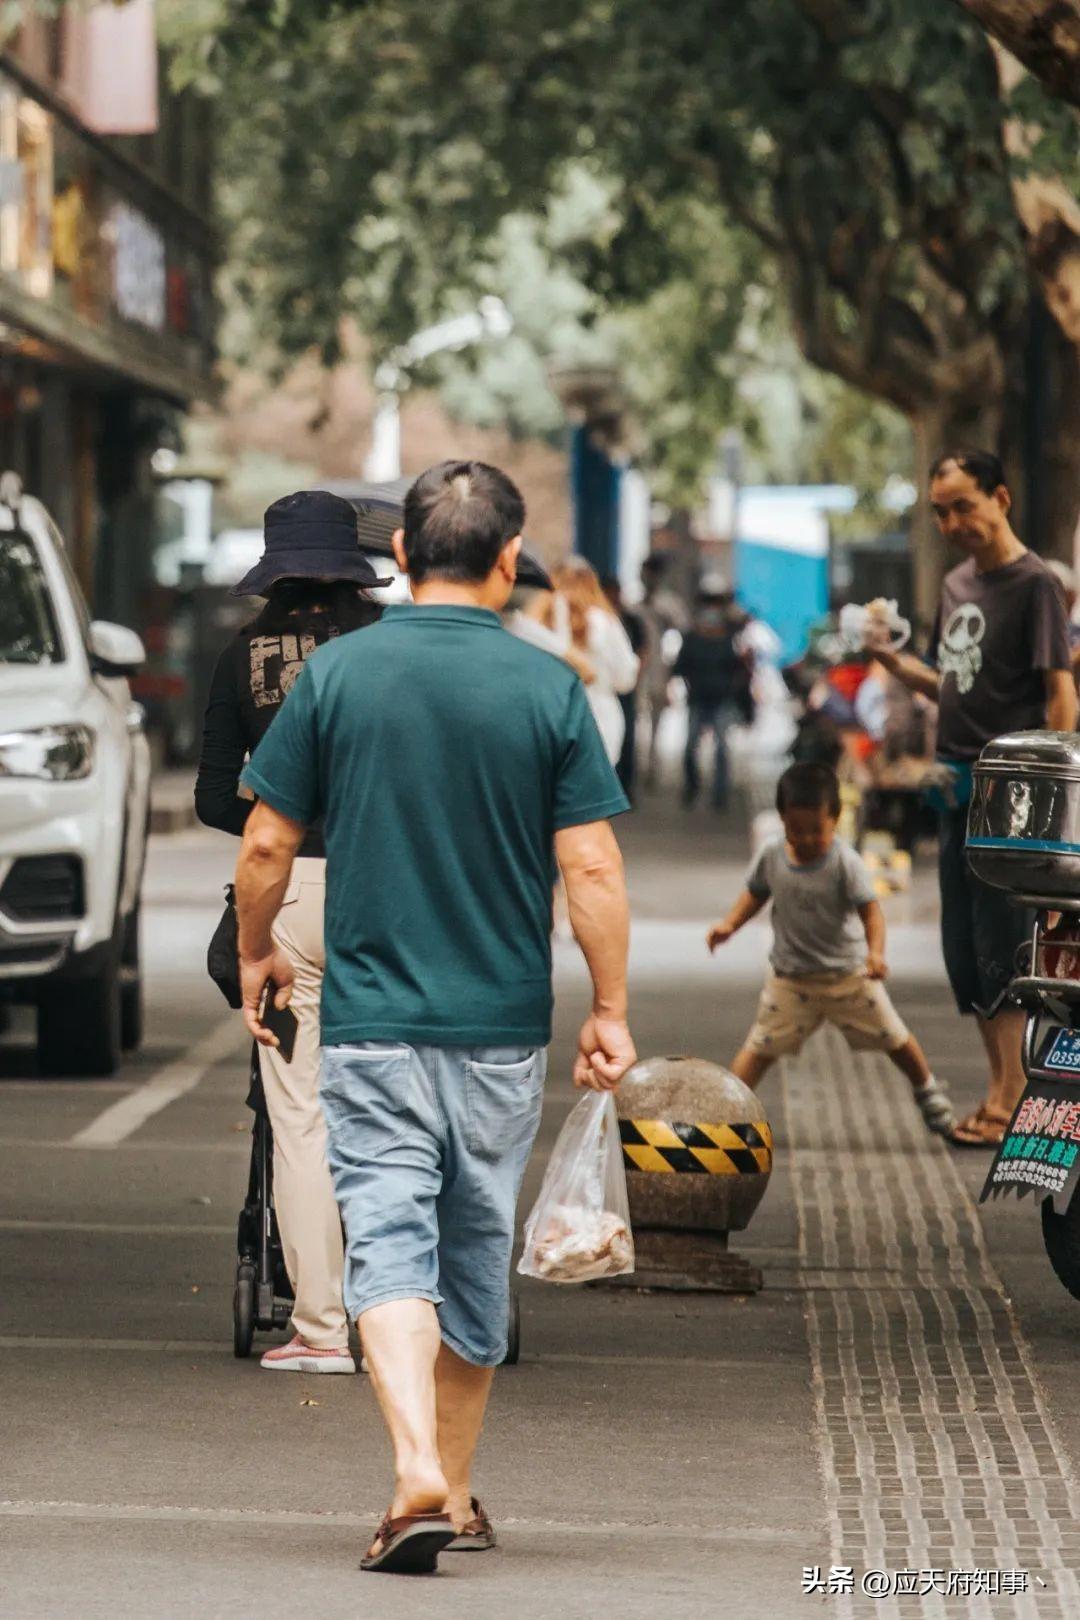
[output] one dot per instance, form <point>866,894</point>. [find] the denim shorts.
<point>427,1146</point>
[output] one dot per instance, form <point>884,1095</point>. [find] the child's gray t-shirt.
<point>816,927</point>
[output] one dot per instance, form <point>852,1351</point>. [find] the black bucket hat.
<point>310,535</point>
<point>380,509</point>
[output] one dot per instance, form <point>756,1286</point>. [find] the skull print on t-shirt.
<point>996,635</point>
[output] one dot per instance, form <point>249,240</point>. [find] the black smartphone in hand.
<point>280,1021</point>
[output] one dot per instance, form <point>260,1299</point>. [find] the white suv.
<point>74,803</point>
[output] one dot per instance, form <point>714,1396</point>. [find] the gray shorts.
<point>981,928</point>
<point>427,1146</point>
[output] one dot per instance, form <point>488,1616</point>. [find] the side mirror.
<point>115,650</point>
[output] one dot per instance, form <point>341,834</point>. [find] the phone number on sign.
<point>1050,1176</point>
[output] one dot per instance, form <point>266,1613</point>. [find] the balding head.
<point>459,516</point>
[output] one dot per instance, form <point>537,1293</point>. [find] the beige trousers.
<point>307,1215</point>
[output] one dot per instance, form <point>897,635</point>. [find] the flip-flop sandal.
<point>982,1129</point>
<point>411,1544</point>
<point>477,1534</point>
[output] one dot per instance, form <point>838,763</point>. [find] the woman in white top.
<point>588,626</point>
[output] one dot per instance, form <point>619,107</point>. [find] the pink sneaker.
<point>296,1356</point>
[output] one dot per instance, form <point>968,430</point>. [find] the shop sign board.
<point>139,280</point>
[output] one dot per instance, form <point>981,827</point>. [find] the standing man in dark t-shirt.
<point>998,661</point>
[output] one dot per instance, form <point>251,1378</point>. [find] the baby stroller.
<point>263,1296</point>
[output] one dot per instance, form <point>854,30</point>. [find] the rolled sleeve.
<point>586,787</point>
<point>284,769</point>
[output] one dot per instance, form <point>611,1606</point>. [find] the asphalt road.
<point>651,1453</point>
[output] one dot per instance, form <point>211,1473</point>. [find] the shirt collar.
<point>479,618</point>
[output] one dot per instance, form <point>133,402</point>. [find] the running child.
<point>828,955</point>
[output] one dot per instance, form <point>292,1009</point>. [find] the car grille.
<point>43,888</point>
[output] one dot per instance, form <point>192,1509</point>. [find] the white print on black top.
<point>959,652</point>
<point>276,661</point>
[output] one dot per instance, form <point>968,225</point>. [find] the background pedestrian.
<point>633,624</point>
<point>594,630</point>
<point>999,660</point>
<point>718,679</point>
<point>313,575</point>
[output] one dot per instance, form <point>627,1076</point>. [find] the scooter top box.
<point>1024,819</point>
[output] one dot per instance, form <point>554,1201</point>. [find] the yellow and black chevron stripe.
<point>739,1149</point>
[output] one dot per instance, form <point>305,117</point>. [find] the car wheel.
<point>131,987</point>
<point>78,1025</point>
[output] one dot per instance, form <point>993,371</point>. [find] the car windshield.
<point>28,632</point>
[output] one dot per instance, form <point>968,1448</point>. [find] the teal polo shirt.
<point>443,754</point>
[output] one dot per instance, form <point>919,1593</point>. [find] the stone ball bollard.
<point>697,1150</point>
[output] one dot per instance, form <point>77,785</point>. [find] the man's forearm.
<point>600,918</point>
<point>262,877</point>
<point>916,676</point>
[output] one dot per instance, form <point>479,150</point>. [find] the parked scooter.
<point>1024,838</point>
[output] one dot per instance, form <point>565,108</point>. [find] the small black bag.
<point>223,953</point>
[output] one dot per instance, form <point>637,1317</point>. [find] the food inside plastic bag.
<point>579,1227</point>
<point>877,623</point>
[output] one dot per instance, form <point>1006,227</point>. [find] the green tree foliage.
<point>855,148</point>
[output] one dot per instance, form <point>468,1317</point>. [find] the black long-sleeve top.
<point>253,677</point>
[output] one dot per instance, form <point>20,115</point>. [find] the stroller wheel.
<point>244,1310</point>
<point>513,1337</point>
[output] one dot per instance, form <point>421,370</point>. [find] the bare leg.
<point>910,1059</point>
<point>749,1066</point>
<point>461,1391</point>
<point>1003,1038</point>
<point>401,1341</point>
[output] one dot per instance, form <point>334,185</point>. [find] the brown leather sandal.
<point>985,1128</point>
<point>410,1545</point>
<point>477,1534</point>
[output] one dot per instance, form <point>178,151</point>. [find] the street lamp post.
<point>490,320</point>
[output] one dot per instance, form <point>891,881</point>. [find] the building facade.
<point>106,306</point>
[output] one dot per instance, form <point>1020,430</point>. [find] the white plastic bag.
<point>579,1227</point>
<point>878,623</point>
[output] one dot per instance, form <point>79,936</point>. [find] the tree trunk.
<point>1049,496</point>
<point>947,424</point>
<point>1043,34</point>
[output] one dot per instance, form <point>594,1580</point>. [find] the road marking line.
<point>121,1118</point>
<point>158,1229</point>
<point>331,1519</point>
<point>169,1347</point>
<point>239,1144</point>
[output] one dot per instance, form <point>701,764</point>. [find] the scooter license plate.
<point>1063,1053</point>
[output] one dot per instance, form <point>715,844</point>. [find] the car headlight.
<point>53,754</point>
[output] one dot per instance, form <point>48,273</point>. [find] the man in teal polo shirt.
<point>452,764</point>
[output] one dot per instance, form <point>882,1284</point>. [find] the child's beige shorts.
<point>791,1009</point>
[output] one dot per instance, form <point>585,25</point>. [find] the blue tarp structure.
<point>781,556</point>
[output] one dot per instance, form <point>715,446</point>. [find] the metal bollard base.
<point>688,1262</point>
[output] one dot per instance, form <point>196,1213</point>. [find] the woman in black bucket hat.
<point>315,579</point>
